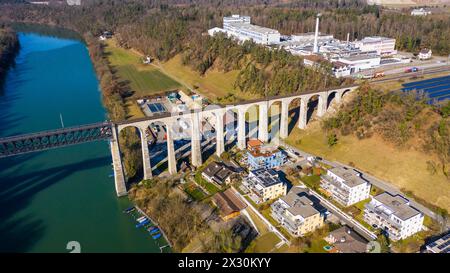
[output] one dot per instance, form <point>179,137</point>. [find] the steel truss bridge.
<point>45,140</point>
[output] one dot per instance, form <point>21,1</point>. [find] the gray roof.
<point>254,28</point>
<point>360,57</point>
<point>300,203</point>
<point>348,241</point>
<point>398,205</point>
<point>217,171</point>
<point>352,178</point>
<point>267,177</point>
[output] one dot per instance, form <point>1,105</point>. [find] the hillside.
<point>412,166</point>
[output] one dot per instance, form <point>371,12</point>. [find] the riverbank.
<point>60,195</point>
<point>9,47</point>
<point>159,227</point>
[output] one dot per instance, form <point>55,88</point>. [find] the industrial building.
<point>382,45</point>
<point>240,27</point>
<point>348,57</point>
<point>359,62</point>
<point>420,12</point>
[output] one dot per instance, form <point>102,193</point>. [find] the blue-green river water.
<point>50,198</point>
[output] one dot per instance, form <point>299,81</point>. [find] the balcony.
<point>380,217</point>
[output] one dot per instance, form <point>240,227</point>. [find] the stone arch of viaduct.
<point>217,112</point>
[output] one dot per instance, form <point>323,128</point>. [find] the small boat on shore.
<point>141,219</point>
<point>153,232</point>
<point>130,209</point>
<point>152,228</point>
<point>143,223</point>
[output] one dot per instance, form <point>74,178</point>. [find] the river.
<point>52,197</point>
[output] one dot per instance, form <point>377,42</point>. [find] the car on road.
<point>378,75</point>
<point>412,69</point>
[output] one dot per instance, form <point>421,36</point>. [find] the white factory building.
<point>357,63</point>
<point>348,57</point>
<point>240,27</point>
<point>382,45</point>
<point>420,12</point>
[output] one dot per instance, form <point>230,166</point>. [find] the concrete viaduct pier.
<point>195,116</point>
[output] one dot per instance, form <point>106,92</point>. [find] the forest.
<point>9,46</point>
<point>164,29</point>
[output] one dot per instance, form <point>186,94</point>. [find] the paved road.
<point>444,68</point>
<point>344,217</point>
<point>375,181</point>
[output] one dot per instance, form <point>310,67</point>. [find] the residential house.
<point>217,172</point>
<point>441,245</point>
<point>264,185</point>
<point>260,155</point>
<point>425,54</point>
<point>298,212</point>
<point>394,215</point>
<point>228,203</point>
<point>345,185</point>
<point>346,240</point>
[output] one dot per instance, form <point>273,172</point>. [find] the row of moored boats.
<point>143,222</point>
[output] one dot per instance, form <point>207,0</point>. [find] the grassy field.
<point>143,79</point>
<point>263,244</point>
<point>405,169</point>
<point>214,84</point>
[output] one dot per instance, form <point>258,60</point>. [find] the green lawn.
<point>312,181</point>
<point>210,187</point>
<point>263,244</point>
<point>142,79</point>
<point>146,82</point>
<point>192,190</point>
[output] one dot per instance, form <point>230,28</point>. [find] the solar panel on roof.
<point>433,244</point>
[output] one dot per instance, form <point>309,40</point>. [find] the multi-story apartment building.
<point>394,214</point>
<point>440,245</point>
<point>298,212</point>
<point>264,185</point>
<point>346,186</point>
<point>382,45</point>
<point>260,155</point>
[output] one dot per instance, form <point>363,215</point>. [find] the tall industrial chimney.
<point>348,37</point>
<point>316,35</point>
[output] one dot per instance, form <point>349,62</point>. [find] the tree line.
<point>164,27</point>
<point>9,46</point>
